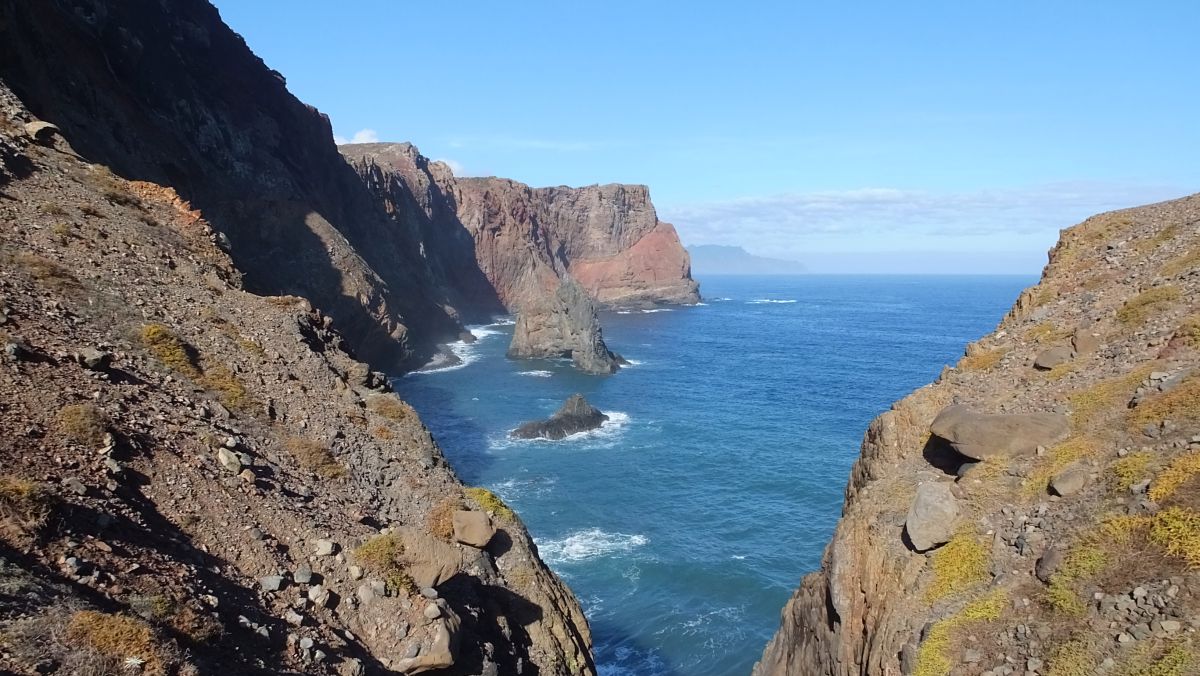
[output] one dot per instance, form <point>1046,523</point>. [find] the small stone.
<point>356,573</point>
<point>255,534</point>
<point>74,485</point>
<point>303,574</point>
<point>318,595</point>
<point>319,655</point>
<point>412,651</point>
<point>306,643</point>
<point>94,360</point>
<point>1070,480</point>
<point>271,582</point>
<point>429,592</point>
<point>325,547</point>
<point>229,460</point>
<point>1033,664</point>
<point>432,611</point>
<point>294,618</point>
<point>1171,626</point>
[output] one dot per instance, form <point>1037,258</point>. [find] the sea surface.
<point>684,524</point>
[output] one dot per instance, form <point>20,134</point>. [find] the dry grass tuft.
<point>1056,460</point>
<point>118,636</point>
<point>382,555</point>
<point>1180,404</point>
<point>958,565</point>
<point>315,457</point>
<point>1105,395</point>
<point>933,659</point>
<point>25,505</point>
<point>171,350</point>
<point>981,360</point>
<point>490,502</point>
<point>1076,657</point>
<point>1176,474</point>
<point>229,388</point>
<point>441,518</point>
<point>1046,333</point>
<point>51,274</point>
<point>1138,309</point>
<point>1086,559</point>
<point>1130,469</point>
<point>1189,332</point>
<point>1177,531</point>
<point>83,424</point>
<point>1187,263</point>
<point>390,407</point>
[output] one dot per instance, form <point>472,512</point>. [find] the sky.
<point>853,136</point>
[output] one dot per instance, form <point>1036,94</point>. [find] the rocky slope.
<point>199,479</point>
<point>165,92</point>
<point>1051,481</point>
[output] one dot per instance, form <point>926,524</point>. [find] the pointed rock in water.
<point>982,436</point>
<point>575,416</point>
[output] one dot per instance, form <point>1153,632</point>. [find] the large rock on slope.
<point>933,516</point>
<point>564,325</point>
<point>575,416</point>
<point>982,436</point>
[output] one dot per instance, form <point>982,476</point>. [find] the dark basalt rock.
<point>575,416</point>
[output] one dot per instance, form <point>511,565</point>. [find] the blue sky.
<point>955,136</point>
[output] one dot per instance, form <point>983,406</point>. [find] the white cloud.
<point>360,136</point>
<point>455,166</point>
<point>888,219</point>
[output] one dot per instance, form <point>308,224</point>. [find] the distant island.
<point>714,259</point>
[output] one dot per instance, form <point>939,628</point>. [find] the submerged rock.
<point>575,416</point>
<point>982,436</point>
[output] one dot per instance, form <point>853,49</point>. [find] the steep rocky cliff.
<point>165,92</point>
<point>563,326</point>
<point>607,237</point>
<point>1051,478</point>
<point>198,479</point>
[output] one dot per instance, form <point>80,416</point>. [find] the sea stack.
<point>575,416</point>
<point>565,325</point>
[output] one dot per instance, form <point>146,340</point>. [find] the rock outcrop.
<point>576,415</point>
<point>563,326</point>
<point>1067,558</point>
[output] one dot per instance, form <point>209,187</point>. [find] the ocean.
<point>684,524</point>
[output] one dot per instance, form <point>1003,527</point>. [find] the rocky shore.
<point>576,415</point>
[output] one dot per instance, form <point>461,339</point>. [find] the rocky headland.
<point>1037,509</point>
<point>574,416</point>
<point>545,254</point>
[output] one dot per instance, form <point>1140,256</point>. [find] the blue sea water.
<point>684,524</point>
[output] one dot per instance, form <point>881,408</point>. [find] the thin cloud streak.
<point>858,217</point>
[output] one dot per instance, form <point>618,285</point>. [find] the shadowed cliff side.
<point>1060,543</point>
<point>165,92</point>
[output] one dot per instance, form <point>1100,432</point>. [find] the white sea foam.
<point>720,300</point>
<point>634,362</point>
<point>651,311</point>
<point>762,301</point>
<point>464,353</point>
<point>536,374</point>
<point>588,544</point>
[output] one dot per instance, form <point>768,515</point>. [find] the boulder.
<point>1070,480</point>
<point>1048,359</point>
<point>576,415</point>
<point>1084,341</point>
<point>933,516</point>
<point>41,132</point>
<point>1048,564</point>
<point>229,460</point>
<point>982,436</point>
<point>473,528</point>
<point>442,652</point>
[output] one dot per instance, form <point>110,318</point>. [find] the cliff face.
<point>525,240</point>
<point>165,92</point>
<point>199,479</point>
<point>1062,543</point>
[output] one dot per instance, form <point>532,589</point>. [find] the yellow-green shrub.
<point>315,457</point>
<point>1136,310</point>
<point>490,502</point>
<point>933,658</point>
<point>958,565</point>
<point>83,423</point>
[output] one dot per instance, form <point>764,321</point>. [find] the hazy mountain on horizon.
<point>716,259</point>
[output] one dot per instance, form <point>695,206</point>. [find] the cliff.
<point>165,92</point>
<point>1049,480</point>
<point>526,240</point>
<point>199,477</point>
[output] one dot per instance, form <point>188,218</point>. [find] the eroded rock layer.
<point>1064,538</point>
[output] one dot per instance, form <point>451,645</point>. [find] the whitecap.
<point>462,353</point>
<point>633,362</point>
<point>624,312</point>
<point>761,301</point>
<point>589,544</point>
<point>651,311</point>
<point>536,374</point>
